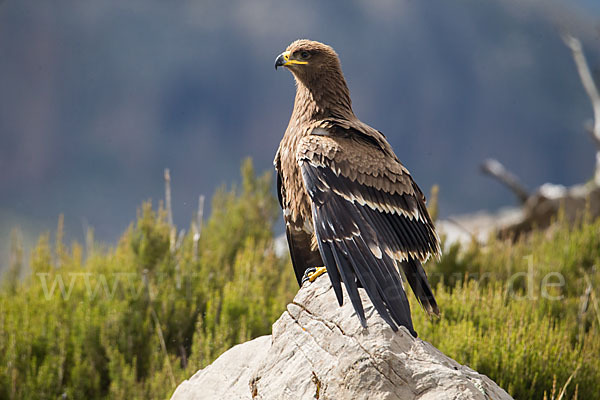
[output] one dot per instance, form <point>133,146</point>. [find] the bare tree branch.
<point>496,170</point>
<point>168,197</point>
<point>197,226</point>
<point>592,91</point>
<point>173,230</point>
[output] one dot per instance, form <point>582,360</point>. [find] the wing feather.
<point>349,278</point>
<point>369,278</point>
<point>364,230</point>
<point>334,275</point>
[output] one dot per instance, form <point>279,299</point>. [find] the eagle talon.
<point>312,273</point>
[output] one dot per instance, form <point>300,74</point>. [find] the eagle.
<point>351,208</point>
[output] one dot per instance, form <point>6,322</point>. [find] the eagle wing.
<point>368,215</point>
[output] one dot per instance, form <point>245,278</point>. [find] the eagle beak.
<point>283,60</point>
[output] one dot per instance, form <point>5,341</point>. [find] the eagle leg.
<point>313,273</point>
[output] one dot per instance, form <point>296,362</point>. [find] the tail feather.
<point>417,279</point>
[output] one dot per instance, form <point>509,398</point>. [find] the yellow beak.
<point>283,60</point>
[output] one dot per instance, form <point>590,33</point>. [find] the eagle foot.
<point>313,273</point>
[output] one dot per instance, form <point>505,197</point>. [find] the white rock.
<point>319,350</point>
<point>228,376</point>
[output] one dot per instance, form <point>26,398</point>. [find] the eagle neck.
<point>322,97</point>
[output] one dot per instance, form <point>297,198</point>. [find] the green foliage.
<point>98,327</point>
<point>11,279</point>
<point>130,322</point>
<point>525,314</point>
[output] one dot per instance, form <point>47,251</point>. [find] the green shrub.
<point>516,311</point>
<point>98,327</point>
<point>133,320</point>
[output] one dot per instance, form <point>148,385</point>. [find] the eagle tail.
<point>417,279</point>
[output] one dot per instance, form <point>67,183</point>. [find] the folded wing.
<point>368,216</point>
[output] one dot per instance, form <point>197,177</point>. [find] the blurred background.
<point>98,97</point>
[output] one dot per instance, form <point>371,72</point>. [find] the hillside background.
<point>97,98</point>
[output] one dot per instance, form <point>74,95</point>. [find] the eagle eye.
<point>304,55</point>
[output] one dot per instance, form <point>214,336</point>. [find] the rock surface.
<point>228,376</point>
<point>319,350</point>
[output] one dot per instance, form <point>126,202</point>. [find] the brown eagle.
<point>348,202</point>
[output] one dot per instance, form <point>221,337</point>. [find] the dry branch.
<point>496,170</point>
<point>168,197</point>
<point>592,91</point>
<point>173,230</point>
<point>197,226</point>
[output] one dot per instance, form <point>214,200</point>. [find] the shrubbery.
<point>526,314</point>
<point>134,320</point>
